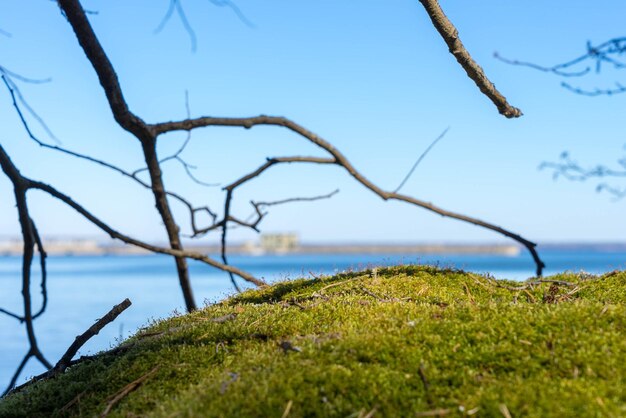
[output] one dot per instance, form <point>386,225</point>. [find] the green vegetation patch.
<point>403,341</point>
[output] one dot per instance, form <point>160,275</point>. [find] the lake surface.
<point>82,289</point>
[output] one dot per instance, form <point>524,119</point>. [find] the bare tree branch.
<point>555,69</point>
<point>133,176</point>
<point>244,179</point>
<point>228,200</point>
<point>451,36</point>
<point>229,196</point>
<point>30,240</point>
<point>611,53</point>
<point>186,24</point>
<point>11,74</point>
<point>107,76</point>
<point>176,5</point>
<point>44,271</point>
<point>17,374</point>
<point>166,18</point>
<point>135,125</point>
<point>16,95</point>
<point>595,92</point>
<point>27,184</point>
<point>12,315</point>
<point>231,5</point>
<point>148,133</point>
<point>93,330</point>
<point>177,155</point>
<point>295,199</point>
<point>66,359</point>
<point>342,161</point>
<point>573,171</point>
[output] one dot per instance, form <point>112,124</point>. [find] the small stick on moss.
<point>481,283</point>
<point>71,403</point>
<point>375,296</point>
<point>530,296</point>
<point>294,302</point>
<point>556,282</point>
<point>610,274</point>
<point>575,290</point>
<point>287,409</point>
<point>318,293</point>
<point>224,318</point>
<point>370,414</point>
<point>505,411</point>
<point>115,399</point>
<point>469,294</point>
<point>422,373</point>
<point>515,296</point>
<point>514,288</point>
<point>64,362</point>
<point>433,413</point>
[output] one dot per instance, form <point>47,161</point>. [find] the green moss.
<point>397,341</point>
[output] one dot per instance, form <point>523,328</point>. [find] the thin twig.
<point>72,402</point>
<point>93,330</point>
<point>610,52</point>
<point>433,413</point>
<point>287,409</point>
<point>116,398</point>
<point>451,36</point>
<point>193,211</point>
<point>422,374</point>
<point>421,157</point>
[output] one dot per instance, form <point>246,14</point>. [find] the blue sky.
<point>372,77</point>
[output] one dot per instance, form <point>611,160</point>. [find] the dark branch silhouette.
<point>193,210</point>
<point>66,359</point>
<point>16,95</point>
<point>93,330</point>
<point>31,239</point>
<point>450,35</point>
<point>342,161</point>
<point>176,156</point>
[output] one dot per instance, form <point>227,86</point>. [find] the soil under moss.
<point>402,341</point>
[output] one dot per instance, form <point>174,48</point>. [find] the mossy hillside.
<point>403,341</point>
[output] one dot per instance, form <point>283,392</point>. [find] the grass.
<point>402,341</point>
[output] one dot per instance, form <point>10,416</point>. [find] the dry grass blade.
<point>433,413</point>
<point>505,411</point>
<point>287,409</point>
<point>115,399</point>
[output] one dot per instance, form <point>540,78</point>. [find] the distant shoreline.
<point>86,247</point>
<point>95,248</point>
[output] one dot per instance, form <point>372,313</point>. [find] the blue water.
<point>81,289</point>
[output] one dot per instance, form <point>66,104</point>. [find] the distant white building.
<point>280,242</point>
<point>11,246</point>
